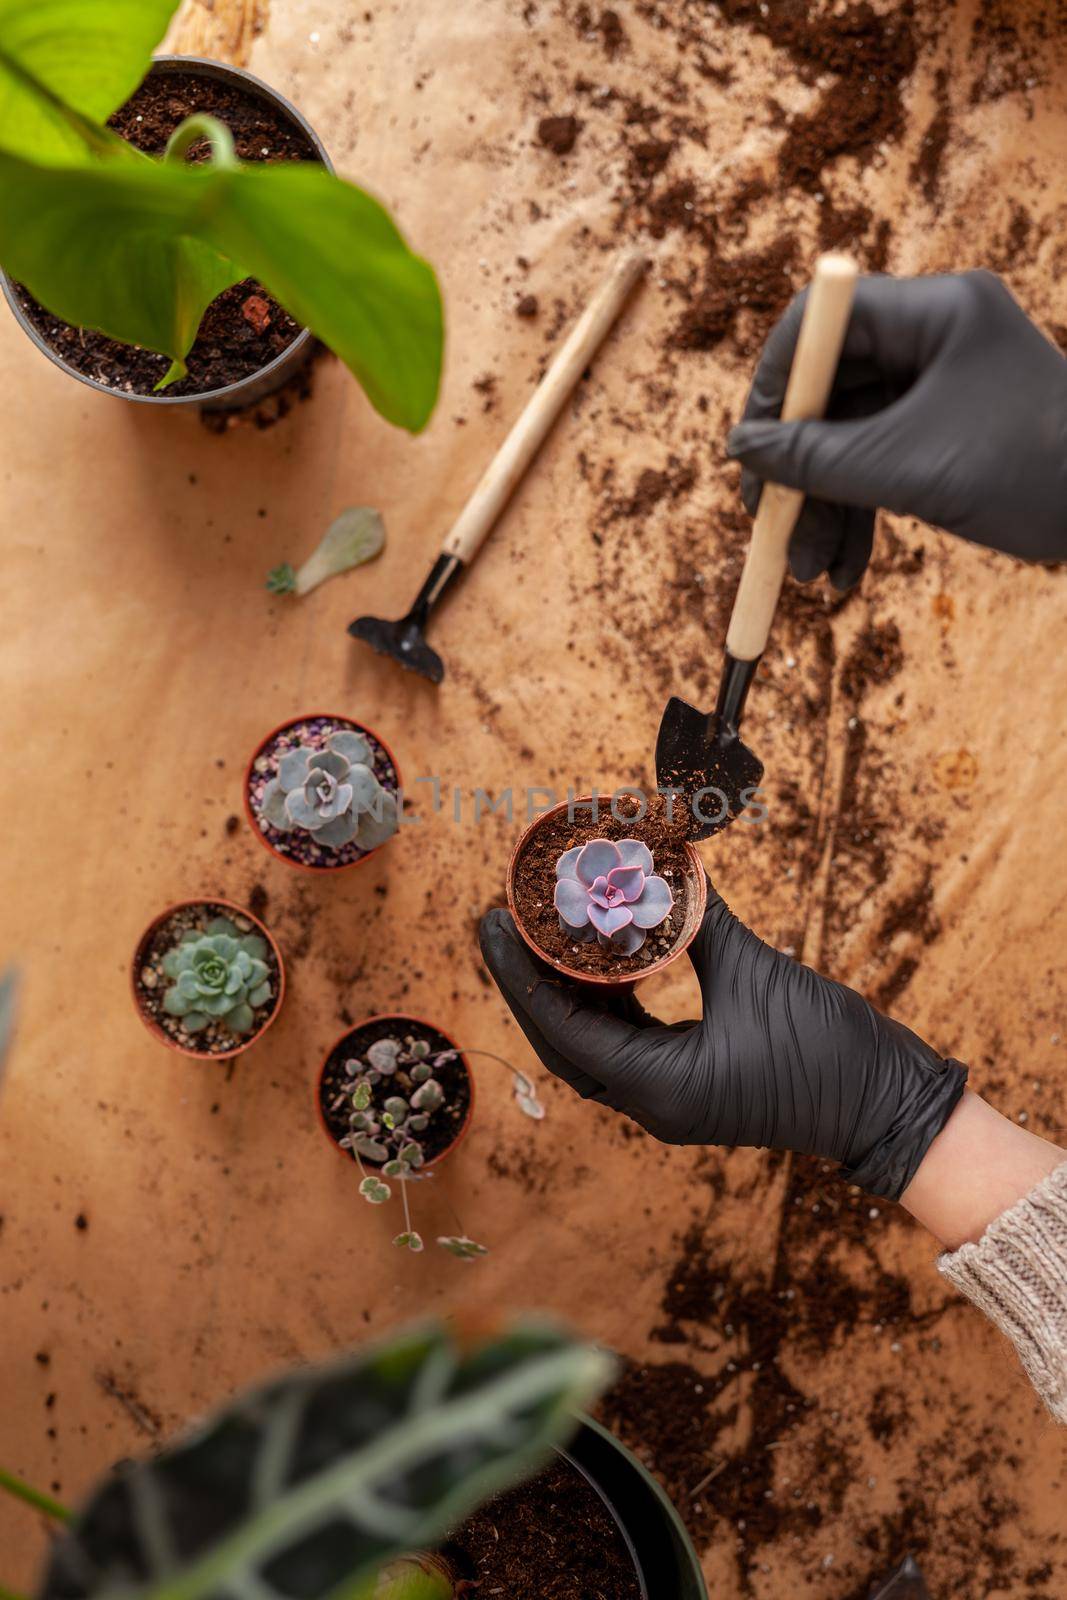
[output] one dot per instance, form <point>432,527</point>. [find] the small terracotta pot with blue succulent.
<point>606,892</point>
<point>323,792</point>
<point>208,979</point>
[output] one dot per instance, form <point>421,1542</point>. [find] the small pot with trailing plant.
<point>171,231</point>
<point>606,894</point>
<point>323,792</point>
<point>208,979</point>
<point>395,1095</point>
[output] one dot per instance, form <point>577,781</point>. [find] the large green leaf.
<point>91,55</point>
<point>334,258</point>
<point>95,245</point>
<point>121,267</point>
<point>304,1489</point>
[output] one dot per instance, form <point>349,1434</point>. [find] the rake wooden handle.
<point>822,335</point>
<point>504,472</point>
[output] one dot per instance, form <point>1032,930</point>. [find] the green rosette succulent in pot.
<point>218,973</point>
<point>208,978</point>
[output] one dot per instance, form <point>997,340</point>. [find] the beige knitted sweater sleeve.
<point>1017,1275</point>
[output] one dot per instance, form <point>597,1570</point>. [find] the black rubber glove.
<point>948,405</point>
<point>782,1058</point>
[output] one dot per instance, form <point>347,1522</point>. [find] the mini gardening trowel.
<point>701,750</point>
<point>405,640</point>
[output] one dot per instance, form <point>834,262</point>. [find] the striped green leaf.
<point>305,1489</point>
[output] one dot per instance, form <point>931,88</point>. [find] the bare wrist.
<point>980,1164</point>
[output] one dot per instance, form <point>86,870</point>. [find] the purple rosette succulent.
<point>609,891</point>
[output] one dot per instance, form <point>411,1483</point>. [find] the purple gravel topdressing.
<point>312,735</point>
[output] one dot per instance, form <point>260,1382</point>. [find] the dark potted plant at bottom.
<point>314,1483</point>
<point>322,792</point>
<point>208,979</point>
<point>607,894</point>
<point>365,1477</point>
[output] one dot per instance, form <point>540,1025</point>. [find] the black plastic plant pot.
<point>266,379</point>
<point>663,1554</point>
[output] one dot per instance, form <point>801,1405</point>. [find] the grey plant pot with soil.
<point>607,895</point>
<point>323,792</point>
<point>248,346</point>
<point>208,979</point>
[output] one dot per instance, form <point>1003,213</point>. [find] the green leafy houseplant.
<point>108,238</point>
<point>330,1483</point>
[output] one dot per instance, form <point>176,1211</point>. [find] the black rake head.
<point>403,641</point>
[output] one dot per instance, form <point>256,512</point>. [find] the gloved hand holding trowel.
<point>948,404</point>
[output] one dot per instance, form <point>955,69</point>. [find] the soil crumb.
<point>756,287</point>
<point>558,134</point>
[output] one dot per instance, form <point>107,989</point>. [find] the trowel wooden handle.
<point>543,407</point>
<point>822,334</point>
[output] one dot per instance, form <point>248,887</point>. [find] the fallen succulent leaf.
<point>357,535</point>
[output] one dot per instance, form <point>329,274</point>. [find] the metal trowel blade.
<point>704,761</point>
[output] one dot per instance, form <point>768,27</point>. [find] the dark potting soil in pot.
<point>535,881</point>
<point>244,329</point>
<point>550,1539</point>
<point>152,983</point>
<point>445,1123</point>
<point>313,734</point>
